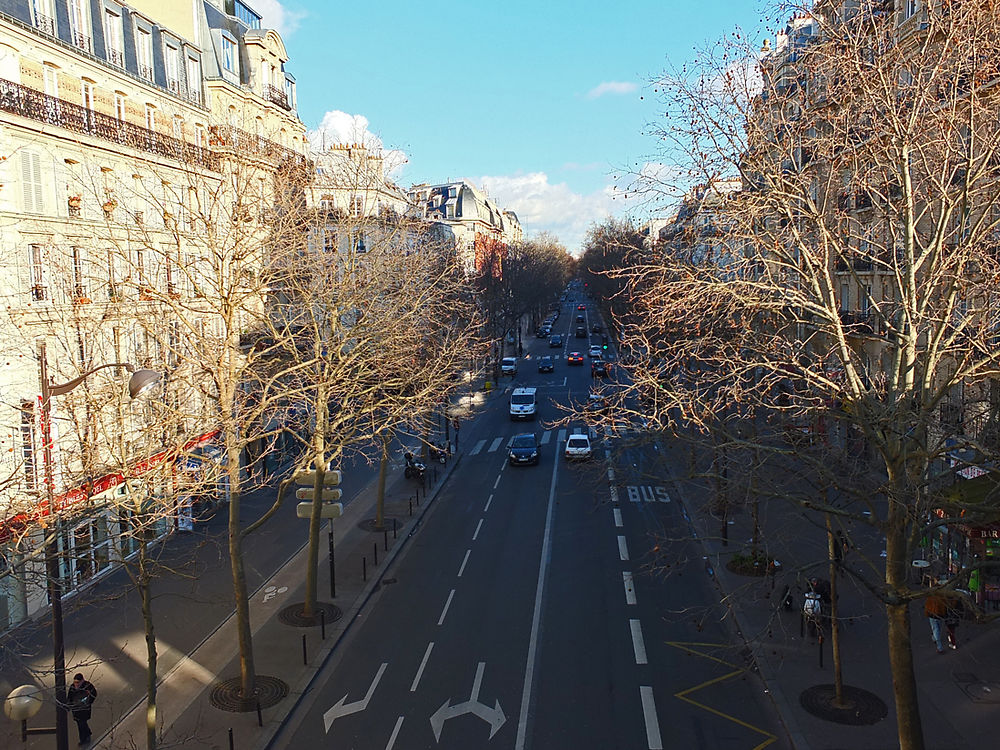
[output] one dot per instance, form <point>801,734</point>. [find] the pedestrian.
<point>80,697</point>
<point>935,609</point>
<point>952,616</point>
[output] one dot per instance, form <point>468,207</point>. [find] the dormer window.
<point>230,59</point>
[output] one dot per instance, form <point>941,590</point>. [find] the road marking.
<point>536,618</point>
<point>649,712</point>
<point>511,441</point>
<point>546,437</point>
<point>647,494</point>
<point>629,588</point>
<point>493,716</point>
<point>342,708</point>
<point>490,500</point>
<point>622,549</point>
<point>614,494</point>
<point>420,669</point>
<point>618,518</point>
<point>611,474</point>
<point>446,605</point>
<point>479,447</point>
<point>564,381</point>
<point>562,436</point>
<point>464,561</point>
<point>395,732</point>
<point>638,645</point>
<point>478,527</point>
<point>497,482</point>
<point>494,445</point>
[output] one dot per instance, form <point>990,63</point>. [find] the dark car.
<point>543,331</point>
<point>574,358</point>
<point>581,332</point>
<point>556,341</point>
<point>596,328</point>
<point>580,319</point>
<point>523,449</point>
<point>545,364</point>
<point>581,307</point>
<point>599,367</point>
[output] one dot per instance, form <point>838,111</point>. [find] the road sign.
<point>306,493</point>
<point>330,478</point>
<point>329,510</point>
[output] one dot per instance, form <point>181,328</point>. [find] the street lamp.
<point>140,382</point>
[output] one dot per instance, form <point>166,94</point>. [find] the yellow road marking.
<point>684,695</point>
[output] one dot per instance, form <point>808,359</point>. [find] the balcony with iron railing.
<point>35,105</point>
<point>276,96</point>
<point>116,57</point>
<point>233,138</point>
<point>45,24</point>
<point>82,41</point>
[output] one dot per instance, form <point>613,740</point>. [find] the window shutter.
<point>31,179</point>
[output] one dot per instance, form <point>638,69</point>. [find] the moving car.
<point>595,351</point>
<point>508,366</point>
<point>596,328</point>
<point>556,341</point>
<point>581,332</point>
<point>581,307</point>
<point>545,364</point>
<point>577,446</point>
<point>522,403</point>
<point>523,449</point>
<point>574,358</point>
<point>595,402</point>
<point>580,319</point>
<point>599,367</point>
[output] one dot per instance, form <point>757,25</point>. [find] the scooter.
<point>414,469</point>
<point>437,453</point>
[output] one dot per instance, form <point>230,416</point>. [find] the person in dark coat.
<point>81,696</point>
<point>952,616</point>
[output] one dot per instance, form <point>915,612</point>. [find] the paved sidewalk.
<point>959,691</point>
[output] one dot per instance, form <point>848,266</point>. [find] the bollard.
<point>322,624</point>
<point>820,644</point>
<point>260,716</point>
<point>394,525</point>
<point>333,571</point>
<point>802,625</point>
<point>409,502</point>
<point>375,547</point>
<point>231,746</point>
<point>305,660</point>
<point>364,569</point>
<point>385,538</point>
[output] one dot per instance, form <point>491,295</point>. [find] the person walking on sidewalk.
<point>952,616</point>
<point>80,696</point>
<point>935,609</point>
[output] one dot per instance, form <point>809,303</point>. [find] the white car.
<point>595,352</point>
<point>508,366</point>
<point>577,446</point>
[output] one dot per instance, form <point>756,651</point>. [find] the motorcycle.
<point>437,453</point>
<point>414,469</point>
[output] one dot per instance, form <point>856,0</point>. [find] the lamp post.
<point>140,382</point>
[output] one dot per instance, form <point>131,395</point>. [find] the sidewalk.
<point>959,691</point>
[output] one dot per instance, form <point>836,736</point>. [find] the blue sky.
<point>540,102</point>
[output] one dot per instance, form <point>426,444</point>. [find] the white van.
<point>522,403</point>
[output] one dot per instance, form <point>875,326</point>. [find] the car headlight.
<point>534,453</point>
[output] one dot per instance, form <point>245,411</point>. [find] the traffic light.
<point>330,508</point>
<point>604,342</point>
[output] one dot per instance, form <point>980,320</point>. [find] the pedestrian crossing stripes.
<point>494,445</point>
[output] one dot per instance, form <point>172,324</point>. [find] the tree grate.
<point>293,615</point>
<point>861,707</point>
<point>227,695</point>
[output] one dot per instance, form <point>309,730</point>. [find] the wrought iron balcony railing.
<point>33,104</point>
<point>45,24</point>
<point>277,96</point>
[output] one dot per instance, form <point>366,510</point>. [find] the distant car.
<point>581,332</point>
<point>577,447</point>
<point>545,364</point>
<point>543,331</point>
<point>596,328</point>
<point>523,449</point>
<point>556,341</point>
<point>595,402</point>
<point>574,358</point>
<point>595,351</point>
<point>508,366</point>
<point>581,307</point>
<point>599,367</point>
<point>580,319</point>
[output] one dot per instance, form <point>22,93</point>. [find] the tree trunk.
<point>382,467</point>
<point>146,590</point>
<point>244,635</point>
<point>316,517</point>
<point>838,666</point>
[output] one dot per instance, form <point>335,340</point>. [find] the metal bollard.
<point>305,660</point>
<point>385,538</point>
<point>231,746</point>
<point>333,571</point>
<point>409,502</point>
<point>394,525</point>
<point>375,547</point>
<point>364,569</point>
<point>322,624</point>
<point>820,642</point>
<point>260,716</point>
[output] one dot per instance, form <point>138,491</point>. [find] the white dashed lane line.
<point>649,713</point>
<point>395,733</point>
<point>629,588</point>
<point>464,561</point>
<point>487,507</point>
<point>622,549</point>
<point>446,605</point>
<point>618,518</point>
<point>638,645</point>
<point>420,669</point>
<point>478,527</point>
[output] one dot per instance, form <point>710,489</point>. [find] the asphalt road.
<point>524,614</point>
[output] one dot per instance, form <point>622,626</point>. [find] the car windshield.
<point>523,441</point>
<point>521,399</point>
<point>578,442</point>
<point>508,362</point>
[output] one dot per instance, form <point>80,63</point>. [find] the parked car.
<point>523,449</point>
<point>555,341</point>
<point>577,447</point>
<point>508,366</point>
<point>545,364</point>
<point>574,358</point>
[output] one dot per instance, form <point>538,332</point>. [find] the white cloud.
<point>341,127</point>
<point>541,205</point>
<point>612,87</point>
<point>274,15</point>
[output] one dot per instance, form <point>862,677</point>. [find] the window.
<point>113,39</point>
<point>43,15</point>
<point>119,106</point>
<point>357,205</point>
<point>144,52</point>
<point>178,127</point>
<point>909,8</point>
<point>845,297</point>
<point>199,136</point>
<point>229,60</point>
<point>194,79</point>
<point>87,94</point>
<point>151,117</point>
<point>36,272</point>
<point>31,183</point>
<point>79,25</point>
<point>28,444</point>
<point>171,65</point>
<point>246,15</point>
<point>79,272</point>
